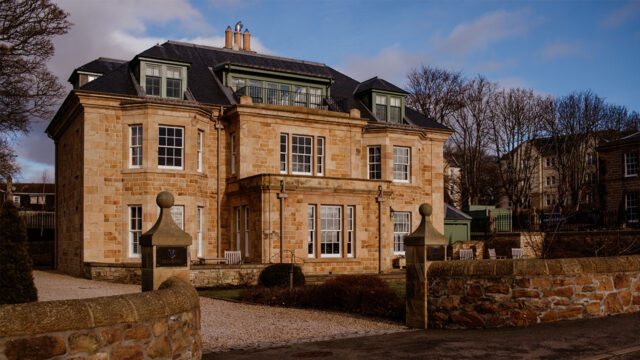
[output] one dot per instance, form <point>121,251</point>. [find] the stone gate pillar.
<point>416,246</point>
<point>165,248</point>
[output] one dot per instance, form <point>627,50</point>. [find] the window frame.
<point>627,163</point>
<point>132,232</point>
<point>311,228</point>
<point>233,154</point>
<point>182,147</point>
<point>338,232</point>
<point>199,219</point>
<point>163,66</point>
<point>174,69</point>
<point>635,207</point>
<point>304,155</point>
<point>14,197</point>
<point>399,236</point>
<point>139,146</point>
<point>285,153</point>
<point>246,231</point>
<point>238,227</point>
<point>379,163</point>
<point>408,164</point>
<point>381,105</point>
<point>179,208</point>
<point>199,147</point>
<point>320,150</point>
<point>351,231</point>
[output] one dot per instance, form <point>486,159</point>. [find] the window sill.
<point>401,181</point>
<point>143,170</point>
<point>170,167</point>
<point>632,175</point>
<point>398,253</point>
<point>330,259</point>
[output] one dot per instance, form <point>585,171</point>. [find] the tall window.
<point>632,207</point>
<point>284,94</point>
<point>375,163</point>
<point>173,83</point>
<point>350,230</point>
<point>330,231</point>
<point>311,242</point>
<point>401,164</point>
<point>315,98</point>
<point>170,147</point>
<point>255,91</point>
<point>135,146</point>
<point>320,155</point>
<point>300,98</point>
<point>631,164</point>
<point>237,211</point>
<point>272,94</point>
<point>246,231</point>
<point>152,80</point>
<point>233,154</point>
<point>199,230</point>
<point>548,180</point>
<point>238,84</point>
<point>301,152</point>
<point>177,213</point>
<point>283,152</point>
<point>381,107</point>
<point>200,140</point>
<point>395,110</point>
<point>401,228</point>
<point>135,230</point>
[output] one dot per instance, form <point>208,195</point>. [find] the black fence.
<point>584,220</point>
<point>274,96</point>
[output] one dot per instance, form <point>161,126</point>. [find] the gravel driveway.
<point>228,325</point>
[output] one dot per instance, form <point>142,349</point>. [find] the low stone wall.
<point>495,293</point>
<point>159,324</point>
<point>223,274</point>
<point>201,275</point>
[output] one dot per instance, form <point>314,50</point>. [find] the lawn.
<point>399,287</point>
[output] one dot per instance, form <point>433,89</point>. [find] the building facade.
<point>277,158</point>
<point>620,180</point>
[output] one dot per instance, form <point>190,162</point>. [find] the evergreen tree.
<point>16,277</point>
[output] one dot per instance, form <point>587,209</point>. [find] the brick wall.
<point>494,293</point>
<point>159,324</point>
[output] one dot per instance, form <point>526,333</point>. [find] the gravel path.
<point>229,325</point>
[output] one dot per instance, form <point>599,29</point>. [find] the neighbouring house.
<point>542,175</point>
<point>620,180</point>
<point>266,155</point>
<point>36,205</point>
<point>453,193</point>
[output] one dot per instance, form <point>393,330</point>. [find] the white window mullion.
<point>135,146</point>
<point>311,242</point>
<point>301,155</point>
<point>200,140</point>
<point>350,230</point>
<point>135,230</point>
<point>199,230</point>
<point>284,153</point>
<point>233,154</point>
<point>401,228</point>
<point>401,164</point>
<point>170,147</point>
<point>320,156</point>
<point>331,231</point>
<point>246,231</point>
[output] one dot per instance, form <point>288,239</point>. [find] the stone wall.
<point>159,324</point>
<point>495,293</point>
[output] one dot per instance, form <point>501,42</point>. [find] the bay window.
<point>170,147</point>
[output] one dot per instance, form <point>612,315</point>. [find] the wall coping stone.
<point>528,267</point>
<point>174,296</point>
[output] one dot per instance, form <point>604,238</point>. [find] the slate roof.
<point>375,83</point>
<point>451,213</point>
<point>204,83</point>
<point>30,188</point>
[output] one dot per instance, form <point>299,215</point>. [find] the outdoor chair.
<point>233,257</point>
<point>517,253</point>
<point>492,255</point>
<point>466,254</point>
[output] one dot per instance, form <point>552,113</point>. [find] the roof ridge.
<point>175,42</point>
<point>101,58</point>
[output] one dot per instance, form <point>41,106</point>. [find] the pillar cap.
<point>165,232</point>
<point>426,234</point>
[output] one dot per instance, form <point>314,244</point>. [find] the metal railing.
<point>39,219</point>
<point>262,95</point>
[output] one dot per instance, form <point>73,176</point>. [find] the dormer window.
<point>152,80</point>
<point>381,107</point>
<point>163,80</point>
<point>395,113</point>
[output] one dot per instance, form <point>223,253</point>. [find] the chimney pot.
<point>246,40</point>
<point>228,38</point>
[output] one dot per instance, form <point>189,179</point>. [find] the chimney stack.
<point>228,38</point>
<point>246,40</point>
<point>237,36</point>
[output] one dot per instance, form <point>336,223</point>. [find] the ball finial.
<point>425,209</point>
<point>164,200</point>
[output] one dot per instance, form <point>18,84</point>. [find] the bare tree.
<point>27,89</point>
<point>8,164</point>
<point>573,137</point>
<point>470,142</point>
<point>435,92</point>
<point>518,115</point>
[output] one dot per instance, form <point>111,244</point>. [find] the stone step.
<point>393,276</point>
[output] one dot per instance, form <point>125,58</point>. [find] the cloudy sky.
<point>553,47</point>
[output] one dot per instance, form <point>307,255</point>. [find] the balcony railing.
<point>262,95</point>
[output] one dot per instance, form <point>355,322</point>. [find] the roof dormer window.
<point>163,79</point>
<point>381,107</point>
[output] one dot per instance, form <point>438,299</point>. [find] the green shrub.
<point>16,278</point>
<point>366,295</point>
<point>278,275</point>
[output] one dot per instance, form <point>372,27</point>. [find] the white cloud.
<point>486,30</point>
<point>561,49</point>
<point>622,15</point>
<point>391,64</point>
<point>512,82</point>
<point>493,66</point>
